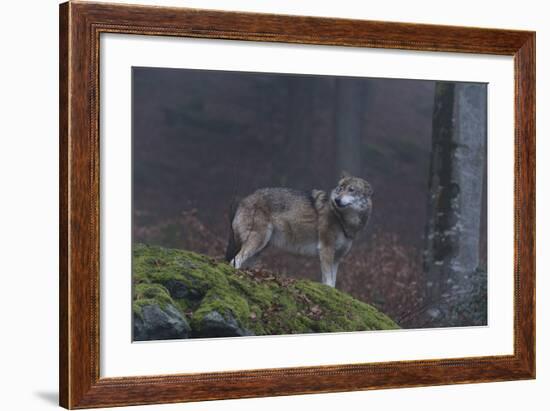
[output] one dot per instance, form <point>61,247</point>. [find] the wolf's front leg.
<point>328,265</point>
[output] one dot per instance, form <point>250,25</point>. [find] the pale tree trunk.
<point>457,172</point>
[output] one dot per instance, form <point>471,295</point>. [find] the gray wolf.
<point>313,223</point>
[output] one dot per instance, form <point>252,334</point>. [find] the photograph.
<point>275,205</point>
<point>282,203</point>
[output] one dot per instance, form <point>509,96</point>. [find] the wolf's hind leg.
<point>255,242</point>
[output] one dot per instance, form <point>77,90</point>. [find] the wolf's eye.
<point>351,189</point>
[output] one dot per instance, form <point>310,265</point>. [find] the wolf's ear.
<point>344,174</point>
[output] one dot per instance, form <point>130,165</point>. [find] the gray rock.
<point>179,290</point>
<point>156,323</point>
<point>463,307</point>
<point>214,324</point>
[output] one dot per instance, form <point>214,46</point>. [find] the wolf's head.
<point>351,193</point>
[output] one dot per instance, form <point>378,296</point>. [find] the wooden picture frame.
<point>80,27</point>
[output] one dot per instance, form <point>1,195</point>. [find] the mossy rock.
<point>218,301</point>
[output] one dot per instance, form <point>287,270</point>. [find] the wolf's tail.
<point>233,246</point>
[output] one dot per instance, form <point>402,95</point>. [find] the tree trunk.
<point>456,178</point>
<point>349,125</point>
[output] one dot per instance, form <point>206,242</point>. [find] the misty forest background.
<point>202,138</point>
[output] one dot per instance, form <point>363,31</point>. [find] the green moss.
<point>149,294</point>
<point>259,302</point>
<point>341,312</point>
